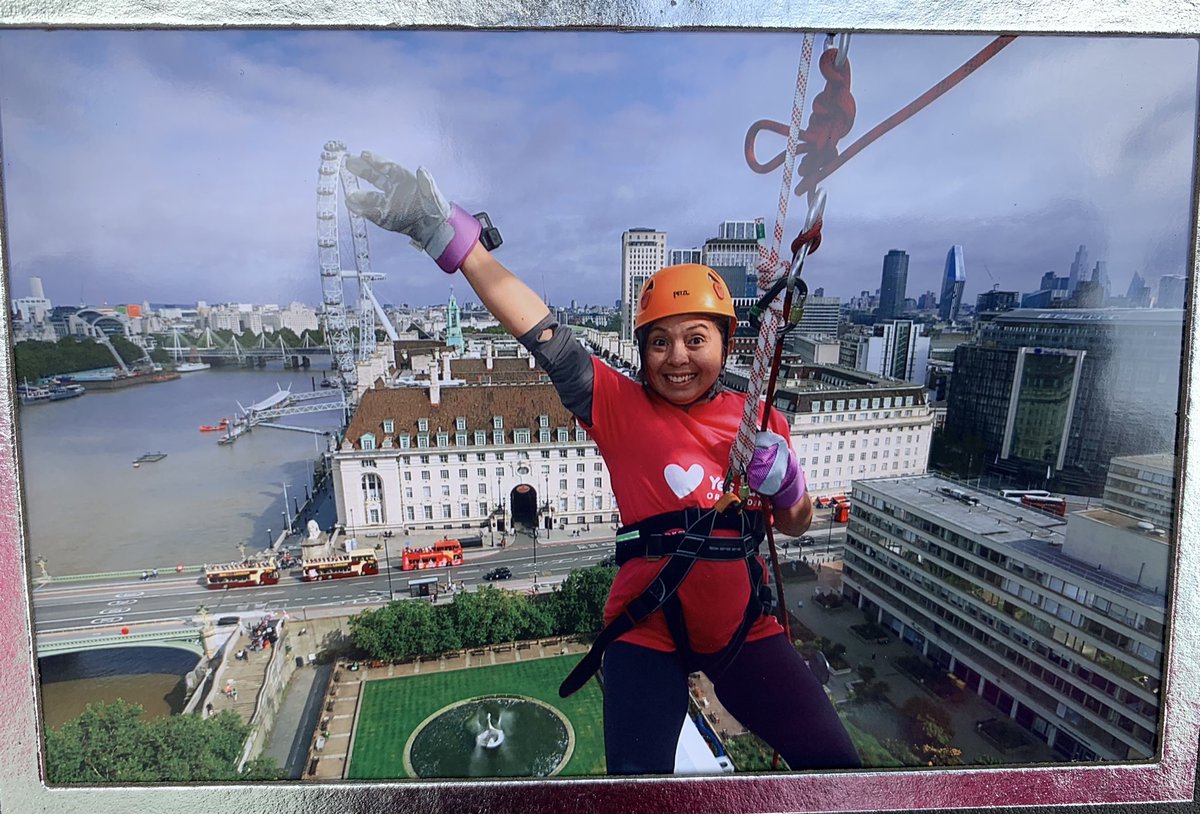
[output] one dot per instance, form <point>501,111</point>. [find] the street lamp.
<point>286,518</point>
<point>270,539</point>
<point>388,556</point>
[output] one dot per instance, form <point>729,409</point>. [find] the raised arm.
<point>413,205</point>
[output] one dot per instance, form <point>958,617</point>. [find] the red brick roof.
<point>519,406</point>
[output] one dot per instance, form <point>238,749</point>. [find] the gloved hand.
<point>774,471</point>
<point>413,205</point>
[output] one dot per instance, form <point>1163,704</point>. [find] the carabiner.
<point>816,210</point>
<point>843,46</point>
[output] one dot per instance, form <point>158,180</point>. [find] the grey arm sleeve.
<point>568,363</point>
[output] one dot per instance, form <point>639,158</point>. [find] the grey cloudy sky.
<point>177,166</point>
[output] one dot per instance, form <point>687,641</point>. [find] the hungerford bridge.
<point>262,351</point>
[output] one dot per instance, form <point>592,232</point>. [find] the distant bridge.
<point>180,636</point>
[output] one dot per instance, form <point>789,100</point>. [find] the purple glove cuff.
<point>466,235</point>
<point>794,487</point>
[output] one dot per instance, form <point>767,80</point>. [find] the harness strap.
<point>661,592</point>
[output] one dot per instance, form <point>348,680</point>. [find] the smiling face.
<point>683,357</point>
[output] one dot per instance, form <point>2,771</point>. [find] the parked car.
<point>807,539</point>
<point>500,572</point>
<point>224,621</point>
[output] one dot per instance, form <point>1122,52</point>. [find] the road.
<point>99,604</point>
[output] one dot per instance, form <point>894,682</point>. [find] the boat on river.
<point>60,392</point>
<point>244,574</point>
<point>224,424</point>
<point>191,367</point>
<point>30,394</point>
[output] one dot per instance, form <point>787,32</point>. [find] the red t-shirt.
<point>662,458</point>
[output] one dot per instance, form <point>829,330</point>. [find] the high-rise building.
<point>643,252</point>
<point>454,337</point>
<point>848,425</point>
<point>1172,290</point>
<point>896,349</point>
<point>953,280</point>
<point>1138,293</point>
<point>1100,276</point>
<point>822,315</point>
<point>995,301</point>
<point>1054,291</point>
<point>1078,269</point>
<point>1054,395</point>
<point>735,246</point>
<point>892,284</point>
<point>1057,622</point>
<point>1143,486</point>
<point>678,257</point>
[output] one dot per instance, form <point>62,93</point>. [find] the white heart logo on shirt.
<point>681,481</point>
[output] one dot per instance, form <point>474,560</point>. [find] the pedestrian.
<point>145,576</point>
<point>154,573</point>
<point>667,440</point>
<point>208,709</point>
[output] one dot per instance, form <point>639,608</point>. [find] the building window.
<point>497,422</point>
<point>543,436</point>
<point>580,436</point>
<point>460,439</point>
<point>464,509</point>
<point>423,441</point>
<point>544,421</point>
<point>428,512</point>
<point>446,511</point>
<point>411,516</point>
<point>562,435</point>
<point>405,441</point>
<point>372,487</point>
<point>460,423</point>
<point>521,437</point>
<point>423,425</point>
<point>443,439</point>
<point>367,441</point>
<point>498,437</point>
<point>389,426</point>
<point>480,438</point>
<point>369,464</point>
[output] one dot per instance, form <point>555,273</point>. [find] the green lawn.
<point>392,708</point>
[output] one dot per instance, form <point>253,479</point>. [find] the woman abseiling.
<point>690,592</point>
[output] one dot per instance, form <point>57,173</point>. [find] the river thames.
<point>88,510</point>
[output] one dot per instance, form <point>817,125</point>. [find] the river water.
<point>88,510</point>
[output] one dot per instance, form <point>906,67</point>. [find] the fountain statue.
<point>490,738</point>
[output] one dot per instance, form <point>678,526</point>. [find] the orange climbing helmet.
<point>686,289</point>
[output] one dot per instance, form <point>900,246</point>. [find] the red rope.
<point>809,182</point>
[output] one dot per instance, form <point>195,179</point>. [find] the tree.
<point>402,630</point>
<point>110,743</point>
<point>579,602</point>
<point>489,616</point>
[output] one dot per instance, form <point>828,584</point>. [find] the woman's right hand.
<point>414,206</point>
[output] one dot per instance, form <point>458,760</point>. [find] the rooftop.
<point>996,520</point>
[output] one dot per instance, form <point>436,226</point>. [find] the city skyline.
<point>210,160</point>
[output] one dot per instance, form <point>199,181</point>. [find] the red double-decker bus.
<point>442,554</point>
<point>1054,505</point>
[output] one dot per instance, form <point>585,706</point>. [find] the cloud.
<point>182,165</point>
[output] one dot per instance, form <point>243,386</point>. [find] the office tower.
<point>822,315</point>
<point>995,301</point>
<point>895,350</point>
<point>1078,269</point>
<point>1055,395</point>
<point>1057,622</point>
<point>1138,293</point>
<point>678,257</point>
<point>735,246</point>
<point>1054,292</point>
<point>953,280</point>
<point>643,252</point>
<point>1100,276</point>
<point>892,284</point>
<point>1172,290</point>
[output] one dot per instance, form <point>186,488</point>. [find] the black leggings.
<point>768,688</point>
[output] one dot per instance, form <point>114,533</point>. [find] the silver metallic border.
<point>1170,779</point>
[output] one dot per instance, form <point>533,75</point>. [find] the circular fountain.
<point>491,736</point>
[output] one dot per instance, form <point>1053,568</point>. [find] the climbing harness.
<point>683,538</point>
